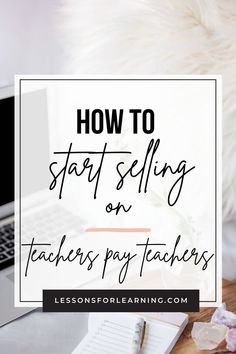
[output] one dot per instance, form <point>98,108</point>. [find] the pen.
<point>139,334</point>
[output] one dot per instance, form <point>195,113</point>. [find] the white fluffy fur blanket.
<point>160,37</point>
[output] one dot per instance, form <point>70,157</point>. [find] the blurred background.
<point>29,40</point>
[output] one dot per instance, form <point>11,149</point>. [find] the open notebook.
<point>114,333</point>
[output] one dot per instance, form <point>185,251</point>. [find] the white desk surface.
<point>43,333</point>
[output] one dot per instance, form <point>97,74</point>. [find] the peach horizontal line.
<point>118,229</point>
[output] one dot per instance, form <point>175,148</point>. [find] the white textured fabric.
<point>159,37</point>
<point>229,251</point>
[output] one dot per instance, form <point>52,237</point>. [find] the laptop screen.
<point>38,149</point>
<point>7,150</point>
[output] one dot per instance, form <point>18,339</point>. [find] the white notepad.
<point>113,333</point>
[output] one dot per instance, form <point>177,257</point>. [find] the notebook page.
<point>110,335</point>
<point>159,338</point>
<point>113,334</point>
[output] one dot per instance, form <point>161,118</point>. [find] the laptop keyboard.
<point>47,223</point>
<point>6,245</point>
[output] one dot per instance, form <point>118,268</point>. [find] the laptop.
<point>7,310</point>
<point>41,210</point>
